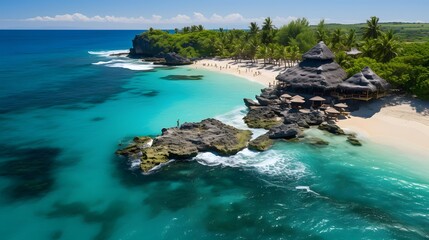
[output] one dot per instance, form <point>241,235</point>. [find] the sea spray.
<point>120,61</point>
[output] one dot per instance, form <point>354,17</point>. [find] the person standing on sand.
<point>178,123</point>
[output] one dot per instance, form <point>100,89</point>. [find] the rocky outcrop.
<point>261,143</point>
<point>144,47</point>
<point>250,103</point>
<point>285,131</point>
<point>262,117</point>
<point>185,142</point>
<point>332,128</point>
<point>174,59</point>
<point>303,119</point>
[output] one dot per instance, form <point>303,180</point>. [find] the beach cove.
<point>76,187</point>
<point>400,122</point>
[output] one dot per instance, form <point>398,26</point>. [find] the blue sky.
<point>142,14</point>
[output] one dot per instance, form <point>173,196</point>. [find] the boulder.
<point>262,117</point>
<point>303,119</point>
<point>250,103</point>
<point>316,141</point>
<point>332,128</point>
<point>353,141</point>
<point>261,143</point>
<point>263,101</point>
<point>174,59</point>
<point>285,131</point>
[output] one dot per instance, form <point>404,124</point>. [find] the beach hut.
<point>318,73</point>
<point>364,85</point>
<point>317,101</point>
<point>297,103</point>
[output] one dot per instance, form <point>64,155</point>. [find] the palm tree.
<point>372,30</point>
<point>267,31</point>
<point>336,39</point>
<point>254,28</point>
<point>252,48</point>
<point>321,32</point>
<point>351,40</point>
<point>286,55</point>
<point>200,28</point>
<point>263,52</point>
<point>386,47</point>
<point>295,54</point>
<point>186,29</point>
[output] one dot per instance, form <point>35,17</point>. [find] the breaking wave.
<point>118,60</point>
<point>271,162</point>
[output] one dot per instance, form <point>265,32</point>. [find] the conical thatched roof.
<point>319,52</point>
<point>317,71</point>
<point>380,83</point>
<point>366,80</point>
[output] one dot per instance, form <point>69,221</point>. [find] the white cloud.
<point>196,18</point>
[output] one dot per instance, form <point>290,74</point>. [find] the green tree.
<point>337,39</point>
<point>373,29</point>
<point>386,47</point>
<point>267,31</point>
<point>290,31</point>
<point>351,40</point>
<point>321,32</point>
<point>253,28</point>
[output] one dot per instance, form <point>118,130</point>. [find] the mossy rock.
<point>353,141</point>
<point>317,141</point>
<point>152,157</point>
<point>142,140</point>
<point>263,123</point>
<point>242,137</point>
<point>261,143</point>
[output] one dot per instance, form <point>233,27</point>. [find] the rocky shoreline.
<point>211,135</point>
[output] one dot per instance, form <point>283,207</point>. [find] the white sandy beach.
<point>398,122</point>
<point>255,72</point>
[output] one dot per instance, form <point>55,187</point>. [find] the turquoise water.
<point>65,105</point>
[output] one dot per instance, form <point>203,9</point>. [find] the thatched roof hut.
<point>364,81</point>
<point>318,72</point>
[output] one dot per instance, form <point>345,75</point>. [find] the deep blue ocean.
<point>66,105</point>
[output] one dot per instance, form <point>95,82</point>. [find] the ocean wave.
<point>271,162</point>
<point>116,61</point>
<point>108,53</point>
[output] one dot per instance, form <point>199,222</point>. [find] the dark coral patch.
<point>183,77</point>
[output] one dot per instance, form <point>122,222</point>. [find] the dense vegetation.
<point>391,50</point>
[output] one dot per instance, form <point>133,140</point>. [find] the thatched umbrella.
<point>332,111</point>
<point>318,72</point>
<point>317,99</point>
<point>297,97</point>
<point>297,100</point>
<point>285,96</point>
<point>341,105</point>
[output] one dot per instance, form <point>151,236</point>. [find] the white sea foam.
<point>121,61</point>
<point>108,53</point>
<point>271,162</point>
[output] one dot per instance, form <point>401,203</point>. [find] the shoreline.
<point>255,72</point>
<point>396,121</point>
